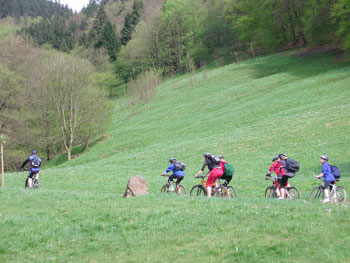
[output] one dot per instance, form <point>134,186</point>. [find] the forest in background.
<point>123,44</point>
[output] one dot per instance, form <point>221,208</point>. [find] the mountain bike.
<point>35,180</point>
<point>221,191</point>
<point>336,195</point>
<point>271,191</point>
<point>179,189</point>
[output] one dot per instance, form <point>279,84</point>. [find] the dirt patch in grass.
<point>326,49</point>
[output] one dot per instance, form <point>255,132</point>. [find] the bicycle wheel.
<point>340,195</point>
<point>26,183</point>
<point>270,192</point>
<point>164,188</point>
<point>36,183</point>
<point>220,192</point>
<point>316,194</point>
<point>231,192</point>
<point>198,190</point>
<point>181,190</point>
<point>292,193</point>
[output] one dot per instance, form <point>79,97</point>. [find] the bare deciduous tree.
<point>69,83</point>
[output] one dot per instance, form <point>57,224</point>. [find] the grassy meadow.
<point>248,112</point>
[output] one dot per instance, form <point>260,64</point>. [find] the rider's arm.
<point>170,168</point>
<point>319,176</point>
<point>25,162</point>
<point>201,170</point>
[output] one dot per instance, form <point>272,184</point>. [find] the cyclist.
<point>34,163</point>
<point>178,173</point>
<point>275,168</point>
<point>327,175</point>
<point>284,173</point>
<point>227,178</point>
<point>215,171</point>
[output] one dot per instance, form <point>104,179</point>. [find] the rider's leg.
<point>209,191</point>
<point>278,191</point>
<point>214,174</point>
<point>326,191</point>
<point>171,182</point>
<point>217,182</point>
<point>284,182</point>
<point>35,178</point>
<point>30,179</point>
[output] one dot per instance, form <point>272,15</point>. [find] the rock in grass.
<point>136,186</point>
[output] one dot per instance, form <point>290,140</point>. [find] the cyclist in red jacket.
<point>284,173</point>
<point>275,168</point>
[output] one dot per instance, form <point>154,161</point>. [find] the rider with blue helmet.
<point>34,164</point>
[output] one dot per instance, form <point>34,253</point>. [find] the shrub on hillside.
<point>144,87</point>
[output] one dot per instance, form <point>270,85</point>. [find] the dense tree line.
<point>49,101</point>
<point>194,32</point>
<point>33,8</point>
<point>187,32</point>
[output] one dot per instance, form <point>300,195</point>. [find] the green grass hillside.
<point>247,112</point>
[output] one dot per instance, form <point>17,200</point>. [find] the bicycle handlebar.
<point>274,178</point>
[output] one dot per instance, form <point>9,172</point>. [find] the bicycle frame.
<point>177,185</point>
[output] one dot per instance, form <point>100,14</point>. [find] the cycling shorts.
<point>215,173</point>
<point>284,181</point>
<point>173,176</point>
<point>327,184</point>
<point>33,171</point>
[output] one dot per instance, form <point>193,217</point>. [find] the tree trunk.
<point>2,165</point>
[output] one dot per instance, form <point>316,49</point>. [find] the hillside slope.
<point>247,112</point>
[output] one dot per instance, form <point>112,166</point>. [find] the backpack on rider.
<point>214,159</point>
<point>35,162</point>
<point>229,170</point>
<point>292,165</point>
<point>180,166</point>
<point>336,172</point>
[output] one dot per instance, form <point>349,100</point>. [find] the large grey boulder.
<point>137,185</point>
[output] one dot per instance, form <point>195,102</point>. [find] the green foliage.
<point>341,14</point>
<point>248,113</point>
<point>43,8</point>
<point>109,40</point>
<point>53,32</point>
<point>131,20</point>
<point>90,9</point>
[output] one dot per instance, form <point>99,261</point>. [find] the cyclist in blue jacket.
<point>327,176</point>
<point>178,173</point>
<point>34,164</point>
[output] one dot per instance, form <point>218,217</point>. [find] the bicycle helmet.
<point>206,154</point>
<point>324,157</point>
<point>282,155</point>
<point>34,152</point>
<point>172,160</point>
<point>275,158</point>
<point>221,157</point>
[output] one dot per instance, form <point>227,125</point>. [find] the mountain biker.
<point>275,168</point>
<point>327,175</point>
<point>227,178</point>
<point>177,173</point>
<point>34,164</point>
<point>285,174</point>
<point>215,171</point>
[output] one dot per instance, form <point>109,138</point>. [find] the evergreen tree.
<point>109,40</point>
<point>131,20</point>
<point>43,8</point>
<point>97,25</point>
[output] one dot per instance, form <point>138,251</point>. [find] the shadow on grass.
<point>344,169</point>
<point>300,66</point>
<point>76,152</point>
